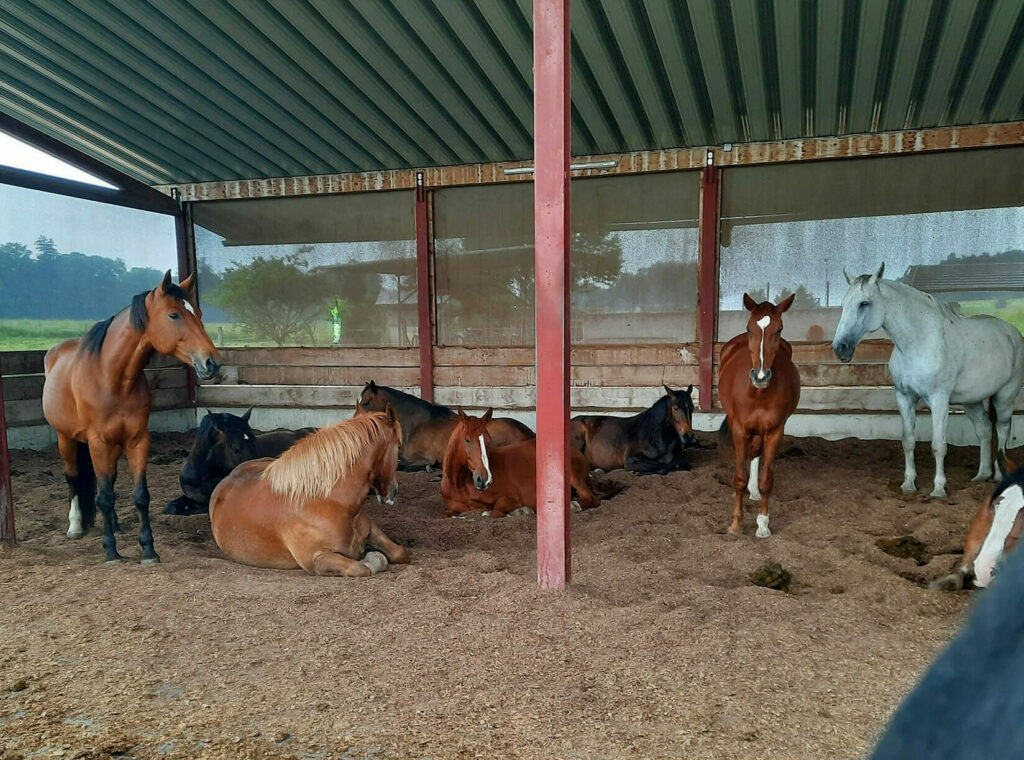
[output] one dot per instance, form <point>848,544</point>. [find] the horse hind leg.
<point>1003,403</point>
<point>976,413</point>
<point>69,453</point>
<point>138,452</point>
<point>397,555</point>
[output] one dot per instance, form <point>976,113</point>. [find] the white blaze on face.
<point>188,308</point>
<point>1011,501</point>
<point>487,464</point>
<point>763,322</point>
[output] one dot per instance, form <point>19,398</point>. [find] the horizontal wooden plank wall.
<point>23,385</point>
<point>603,377</point>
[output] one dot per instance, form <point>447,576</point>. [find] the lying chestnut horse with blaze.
<point>426,427</point>
<point>502,479</point>
<point>305,509</point>
<point>759,387</point>
<point>994,532</point>
<point>647,443</point>
<point>96,397</point>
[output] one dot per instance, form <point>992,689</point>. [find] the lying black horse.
<point>224,441</point>
<point>647,443</point>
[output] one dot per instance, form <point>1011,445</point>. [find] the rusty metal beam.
<point>638,162</point>
<point>707,277</point>
<point>424,292</point>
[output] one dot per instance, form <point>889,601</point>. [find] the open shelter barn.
<point>480,203</point>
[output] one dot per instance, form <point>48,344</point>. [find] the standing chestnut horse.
<point>305,509</point>
<point>499,479</point>
<point>759,387</point>
<point>96,397</point>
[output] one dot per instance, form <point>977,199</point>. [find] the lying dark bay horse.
<point>500,480</point>
<point>646,443</point>
<point>96,397</point>
<point>426,427</point>
<point>759,387</point>
<point>305,509</point>
<point>223,441</point>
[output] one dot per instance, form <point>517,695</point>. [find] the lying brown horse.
<point>305,509</point>
<point>994,532</point>
<point>501,479</point>
<point>426,427</point>
<point>759,387</point>
<point>223,441</point>
<point>647,443</point>
<point>96,397</point>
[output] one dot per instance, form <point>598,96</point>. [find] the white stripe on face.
<point>1011,501</point>
<point>188,307</point>
<point>487,464</point>
<point>763,322</point>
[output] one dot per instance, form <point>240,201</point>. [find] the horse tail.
<point>85,485</point>
<point>724,435</point>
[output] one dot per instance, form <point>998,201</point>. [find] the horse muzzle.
<point>688,440</point>
<point>760,380</point>
<point>480,482</point>
<point>843,350</point>
<point>205,368</point>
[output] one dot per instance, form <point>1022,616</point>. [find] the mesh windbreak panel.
<point>67,263</point>
<point>312,271</point>
<point>634,261</point>
<point>951,224</point>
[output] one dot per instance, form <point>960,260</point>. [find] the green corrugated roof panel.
<point>173,91</point>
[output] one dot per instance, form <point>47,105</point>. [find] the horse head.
<point>173,325</point>
<point>680,413</point>
<point>996,528</point>
<point>863,312</point>
<point>371,399</point>
<point>475,437</point>
<point>232,439</point>
<point>764,336</point>
<point>383,477</point>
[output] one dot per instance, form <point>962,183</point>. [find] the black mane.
<point>435,411</point>
<point>137,317</point>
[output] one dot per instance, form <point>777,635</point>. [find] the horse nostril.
<point>212,366</point>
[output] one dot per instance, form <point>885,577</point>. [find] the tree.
<point>278,299</point>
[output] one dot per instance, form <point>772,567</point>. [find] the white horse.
<point>939,357</point>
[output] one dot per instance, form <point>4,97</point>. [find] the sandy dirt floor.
<point>661,648</point>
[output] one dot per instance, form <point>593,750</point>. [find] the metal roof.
<point>171,91</point>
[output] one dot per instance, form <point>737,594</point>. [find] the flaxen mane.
<point>310,468</point>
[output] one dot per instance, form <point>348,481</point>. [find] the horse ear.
<point>849,280</point>
<point>785,303</point>
<point>247,415</point>
<point>462,415</point>
<point>877,275</point>
<point>189,284</point>
<point>668,390</point>
<point>488,414</point>
<point>1005,462</point>
<point>689,389</point>
<point>372,386</point>
<point>165,283</point>
<point>748,302</point>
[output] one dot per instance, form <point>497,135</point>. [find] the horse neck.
<point>412,411</point>
<point>352,488</point>
<point>655,419</point>
<point>909,314</point>
<point>124,354</point>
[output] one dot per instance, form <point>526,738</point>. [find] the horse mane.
<point>651,420</point>
<point>311,467</point>
<point>436,411</point>
<point>456,476</point>
<point>944,310</point>
<point>138,317</point>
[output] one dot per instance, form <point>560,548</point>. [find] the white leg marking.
<point>752,487</point>
<point>487,463</point>
<point>762,527</point>
<point>1011,501</point>
<point>74,519</point>
<point>763,322</point>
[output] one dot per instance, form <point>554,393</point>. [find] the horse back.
<point>275,442</point>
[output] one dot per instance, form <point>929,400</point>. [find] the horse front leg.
<point>104,462</point>
<point>767,478</point>
<point>741,445</point>
<point>939,405</point>
<point>908,415</point>
<point>138,453</point>
<point>397,555</point>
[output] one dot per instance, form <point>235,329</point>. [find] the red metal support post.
<point>707,283</point>
<point>424,292</point>
<point>551,213</point>
<point>6,499</point>
<point>184,234</point>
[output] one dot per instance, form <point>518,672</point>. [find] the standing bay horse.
<point>759,387</point>
<point>500,479</point>
<point>939,357</point>
<point>96,397</point>
<point>426,427</point>
<point>305,509</point>
<point>646,443</point>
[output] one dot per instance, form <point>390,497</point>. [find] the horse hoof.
<point>732,530</point>
<point>979,478</point>
<point>155,559</point>
<point>375,562</point>
<point>948,583</point>
<point>75,534</point>
<point>114,560</point>
<point>762,533</point>
<point>908,489</point>
<point>574,506</point>
<point>521,512</point>
<point>938,493</point>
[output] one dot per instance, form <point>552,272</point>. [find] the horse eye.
<point>174,315</point>
<point>865,304</point>
<point>467,440</point>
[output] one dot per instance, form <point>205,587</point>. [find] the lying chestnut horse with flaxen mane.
<point>426,427</point>
<point>305,509</point>
<point>503,479</point>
